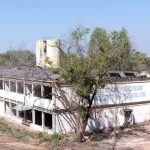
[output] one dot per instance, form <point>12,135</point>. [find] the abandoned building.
<point>27,95</point>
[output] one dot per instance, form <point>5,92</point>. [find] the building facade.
<point>30,96</point>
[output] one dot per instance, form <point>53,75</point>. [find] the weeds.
<point>43,137</point>
<point>4,128</point>
<point>94,144</point>
<point>56,138</point>
<point>26,136</point>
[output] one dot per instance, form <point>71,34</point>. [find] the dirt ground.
<point>133,138</point>
<point>7,143</point>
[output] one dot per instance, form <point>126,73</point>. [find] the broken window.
<point>47,92</point>
<point>48,120</point>
<point>13,110</point>
<point>12,86</point>
<point>28,89</point>
<point>115,75</point>
<point>7,109</point>
<point>21,114</point>
<point>6,85</point>
<point>130,74</point>
<point>1,84</point>
<point>37,90</point>
<point>45,46</point>
<point>38,117</point>
<point>20,87</point>
<point>29,115</point>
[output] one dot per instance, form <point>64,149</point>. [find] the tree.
<point>17,57</point>
<point>87,71</point>
<point>121,45</point>
<point>85,67</point>
<point>138,61</point>
<point>99,41</point>
<point>116,42</point>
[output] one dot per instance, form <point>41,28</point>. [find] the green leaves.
<point>17,57</point>
<point>106,51</point>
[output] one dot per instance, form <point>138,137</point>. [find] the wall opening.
<point>6,85</point>
<point>20,87</point>
<point>38,117</point>
<point>48,120</point>
<point>28,89</point>
<point>12,86</point>
<point>29,115</point>
<point>47,93</point>
<point>45,47</point>
<point>37,90</point>
<point>13,110</point>
<point>7,108</point>
<point>1,84</point>
<point>21,114</point>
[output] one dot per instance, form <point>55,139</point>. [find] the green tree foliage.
<point>116,43</point>
<point>120,43</point>
<point>99,41</point>
<point>138,61</point>
<point>17,57</point>
<point>87,70</point>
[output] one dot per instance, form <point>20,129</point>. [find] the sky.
<point>22,22</point>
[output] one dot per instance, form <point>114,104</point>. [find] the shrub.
<point>4,128</point>
<point>43,137</point>
<point>56,138</point>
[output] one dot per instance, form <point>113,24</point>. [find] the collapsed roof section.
<point>127,75</point>
<point>29,73</point>
<point>39,74</point>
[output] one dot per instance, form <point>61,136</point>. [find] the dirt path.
<point>7,143</point>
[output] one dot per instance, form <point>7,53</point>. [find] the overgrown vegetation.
<point>27,136</point>
<point>4,128</point>
<point>17,57</point>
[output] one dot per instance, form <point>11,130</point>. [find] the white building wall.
<point>124,92</point>
<point>28,100</point>
<point>129,92</point>
<point>112,94</point>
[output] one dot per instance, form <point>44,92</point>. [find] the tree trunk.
<point>87,116</point>
<point>80,137</point>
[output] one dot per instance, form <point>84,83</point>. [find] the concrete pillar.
<point>25,116</point>
<point>17,112</point>
<point>10,108</point>
<point>16,87</point>
<point>42,90</point>
<point>9,86</point>
<point>54,114</point>
<point>4,107</point>
<point>43,120</point>
<point>33,93</point>
<point>24,92</point>
<point>3,84</point>
<point>33,116</point>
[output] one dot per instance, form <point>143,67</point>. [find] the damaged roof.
<point>29,73</point>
